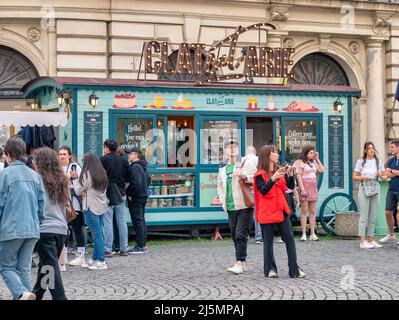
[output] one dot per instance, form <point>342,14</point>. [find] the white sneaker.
<point>303,238</point>
<point>272,274</point>
<point>244,266</point>
<point>88,263</point>
<point>366,245</point>
<point>301,274</point>
<point>28,296</point>
<point>99,265</point>
<point>313,237</point>
<point>376,244</point>
<point>387,238</point>
<point>279,240</point>
<point>62,267</point>
<point>78,261</point>
<point>237,268</point>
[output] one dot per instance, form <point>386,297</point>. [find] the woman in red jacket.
<point>271,209</point>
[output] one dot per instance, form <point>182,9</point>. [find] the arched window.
<point>15,71</point>
<point>185,76</point>
<point>319,69</point>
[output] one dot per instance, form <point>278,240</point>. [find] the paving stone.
<point>193,270</point>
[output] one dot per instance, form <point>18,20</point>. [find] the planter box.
<point>346,224</point>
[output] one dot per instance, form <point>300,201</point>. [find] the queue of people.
<point>52,194</point>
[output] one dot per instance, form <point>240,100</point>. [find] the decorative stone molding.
<point>354,47</point>
<point>382,24</point>
<point>289,43</point>
<point>324,42</point>
<point>33,34</point>
<point>279,12</point>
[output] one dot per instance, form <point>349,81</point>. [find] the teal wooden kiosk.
<point>181,128</point>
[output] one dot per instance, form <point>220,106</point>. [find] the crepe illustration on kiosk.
<point>125,101</point>
<point>182,103</point>
<point>216,201</point>
<point>300,106</point>
<point>158,103</point>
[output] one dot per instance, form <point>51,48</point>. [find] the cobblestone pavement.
<point>197,270</point>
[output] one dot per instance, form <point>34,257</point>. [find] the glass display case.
<point>171,190</point>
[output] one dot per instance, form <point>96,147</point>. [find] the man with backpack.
<point>137,195</point>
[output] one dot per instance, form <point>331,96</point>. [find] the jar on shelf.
<point>172,189</point>
<point>164,190</point>
<point>169,202</point>
<point>162,203</point>
<point>179,188</point>
<point>178,202</point>
<point>151,190</point>
<point>190,201</point>
<point>154,203</point>
<point>157,190</point>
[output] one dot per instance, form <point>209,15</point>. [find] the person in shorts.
<point>392,172</point>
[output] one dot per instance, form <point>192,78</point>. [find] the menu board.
<point>215,134</point>
<point>335,152</point>
<point>93,132</point>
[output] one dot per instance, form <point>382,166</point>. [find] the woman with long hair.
<point>54,229</point>
<point>272,209</point>
<point>307,167</point>
<point>367,171</point>
<point>92,186</point>
<point>72,171</point>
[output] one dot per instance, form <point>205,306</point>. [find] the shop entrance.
<point>262,132</point>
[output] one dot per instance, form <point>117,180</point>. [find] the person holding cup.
<point>307,167</point>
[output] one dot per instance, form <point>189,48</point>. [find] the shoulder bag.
<point>246,191</point>
<point>370,187</point>
<point>70,211</point>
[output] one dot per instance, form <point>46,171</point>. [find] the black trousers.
<point>137,211</point>
<point>240,221</point>
<point>287,236</point>
<point>49,248</point>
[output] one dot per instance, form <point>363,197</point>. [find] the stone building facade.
<point>104,39</point>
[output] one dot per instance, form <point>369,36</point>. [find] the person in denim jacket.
<point>22,199</point>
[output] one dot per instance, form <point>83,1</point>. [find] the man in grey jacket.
<point>22,199</point>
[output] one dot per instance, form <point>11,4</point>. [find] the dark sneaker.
<point>138,250</point>
<point>123,253</point>
<point>108,254</point>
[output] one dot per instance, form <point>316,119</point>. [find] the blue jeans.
<point>119,211</point>
<point>95,223</point>
<point>15,264</point>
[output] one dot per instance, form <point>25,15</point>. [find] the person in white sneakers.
<point>72,170</point>
<point>307,167</point>
<point>367,171</point>
<point>231,196</point>
<point>92,186</point>
<point>392,172</point>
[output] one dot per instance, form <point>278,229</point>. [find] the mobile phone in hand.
<point>73,167</point>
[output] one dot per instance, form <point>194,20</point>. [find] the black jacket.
<point>139,180</point>
<point>117,170</point>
